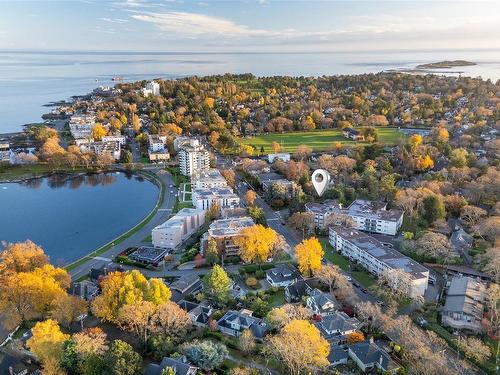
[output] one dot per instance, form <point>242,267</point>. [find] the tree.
<point>66,309</point>
<point>493,264</point>
<point>433,208</point>
<point>51,366</point>
<point>212,252</point>
<point>434,245</point>
<point>126,157</point>
<point>255,243</point>
<point>471,215</point>
<point>277,318</point>
<point>474,348</point>
<point>303,151</point>
<point>372,315</point>
<point>207,355</point>
<point>90,342</point>
<point>309,254</point>
<point>459,157</point>
<point>136,123</point>
<point>125,288</point>
<point>302,221</point>
<point>490,228</point>
<point>328,274</point>
<point>276,147</point>
<point>217,284</point>
<point>300,346</point>
<point>137,317</point>
<point>47,341</point>
<point>168,371</point>
<point>22,257</point>
<point>121,359</point>
<point>355,337</point>
<point>99,131</point>
<point>170,320</point>
<point>230,176</point>
<point>396,285</point>
<point>424,163</point>
<point>246,341</point>
<point>250,197</point>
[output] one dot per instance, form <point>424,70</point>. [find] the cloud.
<point>113,20</point>
<point>194,24</point>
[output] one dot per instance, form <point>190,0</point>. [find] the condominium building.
<point>193,158</point>
<point>4,152</point>
<point>101,148</point>
<point>114,138</point>
<point>224,197</point>
<point>81,126</point>
<point>152,88</point>
<point>367,216</point>
<point>376,258</point>
<point>178,228</point>
<point>208,179</point>
<point>224,231</point>
<point>157,150</point>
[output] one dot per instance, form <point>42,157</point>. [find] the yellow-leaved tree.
<point>47,340</point>
<point>121,289</point>
<point>22,257</point>
<point>98,132</point>
<point>300,346</point>
<point>256,243</point>
<point>309,254</point>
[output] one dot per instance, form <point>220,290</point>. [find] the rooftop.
<point>212,193</point>
<point>374,210</point>
<point>148,254</point>
<point>229,227</point>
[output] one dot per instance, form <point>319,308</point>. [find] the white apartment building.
<point>224,197</point>
<point>193,158</point>
<point>100,148</point>
<point>156,143</point>
<point>366,215</point>
<point>81,126</point>
<point>376,258</point>
<point>152,88</point>
<point>115,138</point>
<point>208,179</point>
<point>178,228</point>
<point>4,152</point>
<point>224,231</point>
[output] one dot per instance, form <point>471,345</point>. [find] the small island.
<point>446,64</point>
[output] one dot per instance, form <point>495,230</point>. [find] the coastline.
<point>152,177</point>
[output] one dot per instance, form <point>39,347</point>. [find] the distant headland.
<point>445,64</point>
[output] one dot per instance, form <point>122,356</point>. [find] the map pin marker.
<point>320,179</point>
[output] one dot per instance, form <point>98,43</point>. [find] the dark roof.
<point>256,325</point>
<point>369,353</point>
<point>337,354</point>
<point>282,273</point>
<point>180,367</point>
<point>200,313</point>
<point>337,322</point>
<point>321,298</point>
<point>185,283</point>
<point>299,289</point>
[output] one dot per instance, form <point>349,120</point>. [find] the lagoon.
<point>71,216</point>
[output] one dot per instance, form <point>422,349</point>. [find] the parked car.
<point>364,290</point>
<point>355,284</point>
<point>349,278</point>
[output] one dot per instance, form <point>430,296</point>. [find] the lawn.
<point>317,139</point>
<point>333,256</point>
<point>363,278</point>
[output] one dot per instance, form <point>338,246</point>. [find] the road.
<point>161,216</point>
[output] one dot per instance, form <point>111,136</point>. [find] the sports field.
<point>317,139</point>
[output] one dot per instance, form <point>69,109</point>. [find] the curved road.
<point>161,216</point>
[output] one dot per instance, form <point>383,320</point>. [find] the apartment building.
<point>157,150</point>
<point>115,138</point>
<point>224,197</point>
<point>193,158</point>
<point>376,258</point>
<point>81,126</point>
<point>367,216</point>
<point>224,231</point>
<point>152,88</point>
<point>101,148</point>
<point>208,179</point>
<point>178,228</point>
<point>4,152</point>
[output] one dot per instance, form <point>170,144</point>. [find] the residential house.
<point>187,285</point>
<point>297,291</point>
<point>336,326</point>
<point>371,254</point>
<point>367,355</point>
<point>283,156</point>
<point>321,303</point>
<point>233,323</point>
<point>282,275</point>
<point>199,314</point>
<point>353,134</point>
<point>180,367</point>
<point>339,355</point>
<point>464,305</point>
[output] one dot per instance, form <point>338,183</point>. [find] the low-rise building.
<point>282,275</point>
<point>322,211</point>
<point>156,143</point>
<point>208,179</point>
<point>113,149</point>
<point>193,158</point>
<point>233,323</point>
<point>224,197</point>
<point>353,134</point>
<point>147,255</point>
<point>185,286</point>
<point>152,88</point>
<point>81,125</point>
<point>464,304</point>
<point>337,326</point>
<point>224,232</point>
<point>321,303</point>
<point>178,228</point>
<point>371,254</point>
<point>269,179</point>
<point>115,138</point>
<point>178,365</point>
<point>199,314</point>
<point>283,156</point>
<point>4,152</point>
<point>368,355</point>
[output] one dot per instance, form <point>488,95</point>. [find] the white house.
<point>152,88</point>
<point>281,156</point>
<point>282,275</point>
<point>193,158</point>
<point>371,254</point>
<point>178,228</point>
<point>224,197</point>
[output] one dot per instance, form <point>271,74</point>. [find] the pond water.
<point>71,216</point>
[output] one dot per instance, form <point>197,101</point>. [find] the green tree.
<point>121,359</point>
<point>212,253</point>
<point>434,208</point>
<point>126,157</point>
<point>168,371</point>
<point>217,284</point>
<point>207,355</point>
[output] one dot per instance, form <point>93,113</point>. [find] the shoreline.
<point>161,196</point>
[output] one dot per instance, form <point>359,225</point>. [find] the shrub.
<point>252,282</point>
<point>260,274</point>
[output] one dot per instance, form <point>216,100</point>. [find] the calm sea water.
<point>71,217</point>
<point>30,79</point>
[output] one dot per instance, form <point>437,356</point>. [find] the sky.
<point>248,26</point>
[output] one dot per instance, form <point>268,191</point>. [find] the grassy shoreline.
<point>153,178</point>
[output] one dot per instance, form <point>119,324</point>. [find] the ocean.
<point>30,79</point>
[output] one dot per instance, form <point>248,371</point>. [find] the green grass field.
<point>317,139</point>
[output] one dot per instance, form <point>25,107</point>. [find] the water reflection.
<point>56,181</point>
